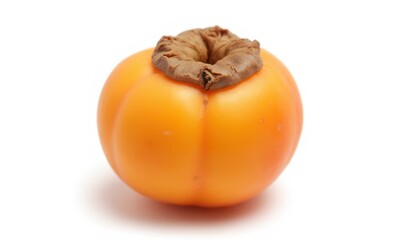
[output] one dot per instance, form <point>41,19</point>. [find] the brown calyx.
<point>212,58</point>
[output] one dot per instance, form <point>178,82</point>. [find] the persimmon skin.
<point>180,144</point>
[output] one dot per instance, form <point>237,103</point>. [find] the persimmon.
<point>205,119</point>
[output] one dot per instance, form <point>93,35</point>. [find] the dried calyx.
<point>212,58</point>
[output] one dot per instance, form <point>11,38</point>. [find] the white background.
<point>55,182</point>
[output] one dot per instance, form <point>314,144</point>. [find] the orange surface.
<point>180,144</point>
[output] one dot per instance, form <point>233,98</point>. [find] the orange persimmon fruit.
<point>207,143</point>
